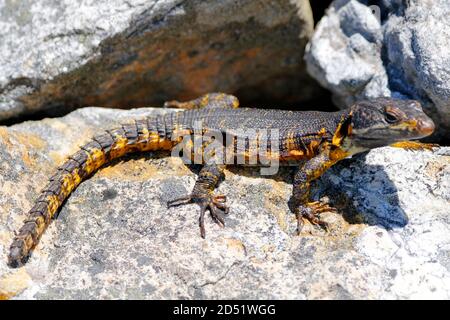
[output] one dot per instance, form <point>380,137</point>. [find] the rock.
<point>357,55</point>
<point>56,56</point>
<point>114,237</point>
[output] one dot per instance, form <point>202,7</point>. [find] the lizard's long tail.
<point>143,135</point>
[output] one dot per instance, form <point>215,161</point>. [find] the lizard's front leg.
<point>202,194</point>
<point>301,205</point>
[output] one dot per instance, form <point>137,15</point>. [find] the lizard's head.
<point>384,121</point>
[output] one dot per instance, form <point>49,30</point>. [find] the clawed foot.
<point>215,204</point>
<point>311,212</point>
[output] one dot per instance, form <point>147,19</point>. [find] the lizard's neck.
<point>349,146</point>
<point>344,138</point>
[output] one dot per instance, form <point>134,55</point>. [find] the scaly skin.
<point>313,140</point>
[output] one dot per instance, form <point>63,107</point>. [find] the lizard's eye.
<point>390,117</point>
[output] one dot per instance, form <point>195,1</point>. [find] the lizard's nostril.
<point>426,126</point>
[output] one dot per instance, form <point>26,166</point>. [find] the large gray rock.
<point>397,49</point>
<point>59,55</point>
<point>114,237</point>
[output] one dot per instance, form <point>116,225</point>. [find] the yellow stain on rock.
<point>30,140</point>
<point>142,170</point>
<point>57,157</point>
<point>278,192</point>
<point>26,139</point>
<point>278,213</point>
<point>4,136</point>
<point>22,143</point>
<point>14,283</point>
<point>236,245</point>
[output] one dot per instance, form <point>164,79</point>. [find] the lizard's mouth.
<point>379,136</point>
<point>415,129</point>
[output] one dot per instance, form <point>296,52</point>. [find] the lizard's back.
<point>233,120</point>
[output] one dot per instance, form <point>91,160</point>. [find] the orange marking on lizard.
<point>119,148</point>
<point>41,225</point>
<point>53,204</point>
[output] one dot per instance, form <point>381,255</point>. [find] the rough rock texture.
<point>397,49</point>
<point>114,237</point>
<point>59,55</point>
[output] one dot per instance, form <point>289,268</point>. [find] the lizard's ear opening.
<point>343,130</point>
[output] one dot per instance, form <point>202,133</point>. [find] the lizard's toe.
<point>214,204</point>
<point>311,212</point>
<point>201,220</point>
<point>179,201</point>
<point>217,215</point>
<point>217,209</point>
<point>219,202</point>
<point>319,207</point>
<point>314,218</point>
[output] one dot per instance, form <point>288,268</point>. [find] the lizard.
<point>312,140</point>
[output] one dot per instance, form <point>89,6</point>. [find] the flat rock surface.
<point>59,55</point>
<point>114,237</point>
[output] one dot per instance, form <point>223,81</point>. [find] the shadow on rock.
<point>362,193</point>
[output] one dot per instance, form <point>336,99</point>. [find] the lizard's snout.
<point>425,126</point>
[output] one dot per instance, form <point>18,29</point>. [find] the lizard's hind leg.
<point>202,194</point>
<point>300,204</point>
<point>210,100</point>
